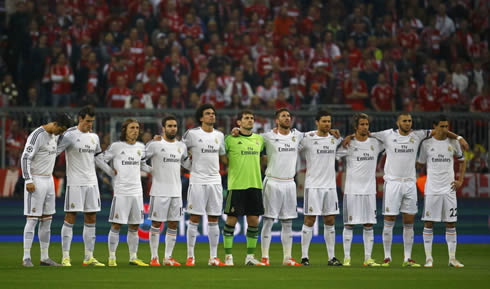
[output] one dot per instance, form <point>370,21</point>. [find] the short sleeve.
<point>422,133</point>
<point>222,148</point>
<point>423,154</point>
<point>381,135</point>
<point>187,139</point>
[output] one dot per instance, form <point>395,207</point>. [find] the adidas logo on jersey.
<point>162,150</point>
<point>123,153</point>
<point>315,143</point>
<point>78,140</point>
<point>200,140</point>
<point>239,142</point>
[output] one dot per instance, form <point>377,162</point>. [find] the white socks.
<point>170,239</point>
<point>89,240</point>
<point>407,241</point>
<point>368,239</point>
<point>287,238</point>
<point>266,233</point>
<point>213,236</point>
<point>66,237</point>
<point>113,241</point>
<point>306,235</point>
<point>388,237</point>
<point>29,229</point>
<point>329,235</point>
<point>451,242</point>
<point>154,241</point>
<point>44,234</point>
<point>428,237</point>
<point>133,242</point>
<point>347,238</point>
<point>191,238</point>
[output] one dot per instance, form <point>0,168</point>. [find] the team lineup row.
<point>274,197</point>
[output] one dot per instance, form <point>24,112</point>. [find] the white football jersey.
<point>361,158</point>
<point>39,154</point>
<point>282,153</point>
<point>126,159</point>
<point>439,156</point>
<point>80,149</point>
<point>205,148</point>
<point>319,153</point>
<point>401,152</point>
<point>166,159</point>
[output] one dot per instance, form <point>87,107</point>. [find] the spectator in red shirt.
<point>61,78</point>
<point>450,95</point>
<point>118,95</point>
<point>282,22</point>
<point>382,98</point>
<point>481,103</point>
<point>407,38</point>
<point>428,97</point>
<point>213,96</point>
<point>355,92</point>
<point>154,87</point>
<point>355,55</point>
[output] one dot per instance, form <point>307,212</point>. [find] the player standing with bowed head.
<point>126,157</point>
<point>319,149</point>
<point>205,194</point>
<point>80,145</point>
<point>279,191</point>
<point>360,188</point>
<point>244,186</point>
<point>37,163</point>
<point>166,155</point>
<point>440,202</point>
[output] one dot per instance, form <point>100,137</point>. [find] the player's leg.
<point>196,208</point>
<point>170,240</point>
<point>32,218</point>
<point>428,237</point>
<point>66,237</point>
<point>228,234</point>
<point>306,236</point>
<point>91,201</point>
<point>252,237</point>
<point>368,219</point>
<point>287,213</point>
<point>348,232</point>
<point>44,231</point>
<point>135,218</point>
<point>154,242</point>
<point>450,217</point>
<point>173,216</point>
<point>409,210</point>
<point>272,200</point>
<point>113,242</point>
<point>391,208</point>
<point>214,209</point>
<point>329,211</point>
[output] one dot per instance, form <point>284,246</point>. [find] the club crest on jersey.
<point>29,149</point>
<point>449,148</point>
<point>412,140</point>
<point>350,218</point>
<point>72,205</point>
<point>154,214</point>
<point>310,209</point>
<point>333,141</point>
<point>372,147</point>
<point>179,150</point>
<point>116,216</point>
<point>93,141</point>
<point>256,142</point>
<point>312,134</point>
<point>216,140</point>
<point>387,210</point>
<point>190,206</point>
<point>427,214</point>
<point>139,152</point>
<point>293,139</point>
<point>33,210</point>
<point>232,209</point>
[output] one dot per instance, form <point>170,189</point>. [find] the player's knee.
<point>428,225</point>
<point>116,227</point>
<point>310,221</point>
<point>450,225</point>
<point>172,225</point>
<point>390,218</point>
<point>213,219</point>
<point>329,220</point>
<point>368,225</point>
<point>155,224</point>
<point>195,219</point>
<point>89,218</point>
<point>70,217</point>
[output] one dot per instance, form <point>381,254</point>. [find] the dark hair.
<point>125,127</point>
<point>63,120</point>
<point>279,111</point>
<point>200,111</point>
<point>86,110</point>
<point>403,113</point>
<point>242,113</point>
<point>167,118</point>
<point>322,113</point>
<point>438,119</point>
<point>357,117</point>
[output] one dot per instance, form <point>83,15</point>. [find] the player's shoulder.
<point>310,134</point>
<point>192,131</point>
<point>218,133</point>
<point>139,144</point>
<point>70,131</point>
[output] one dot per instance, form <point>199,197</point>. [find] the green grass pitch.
<point>476,273</point>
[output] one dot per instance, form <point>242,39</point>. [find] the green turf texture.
<point>476,273</point>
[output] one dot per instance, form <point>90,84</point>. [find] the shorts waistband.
<point>401,180</point>
<point>280,179</point>
<point>42,176</point>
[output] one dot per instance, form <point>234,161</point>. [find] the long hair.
<point>125,127</point>
<point>356,118</point>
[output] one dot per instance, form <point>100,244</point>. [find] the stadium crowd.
<point>390,55</point>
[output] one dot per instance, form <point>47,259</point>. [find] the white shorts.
<point>43,200</point>
<point>82,199</point>
<point>399,197</point>
<point>164,209</point>
<point>280,199</point>
<point>359,209</point>
<point>321,202</point>
<point>205,199</point>
<point>127,210</point>
<point>441,208</point>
